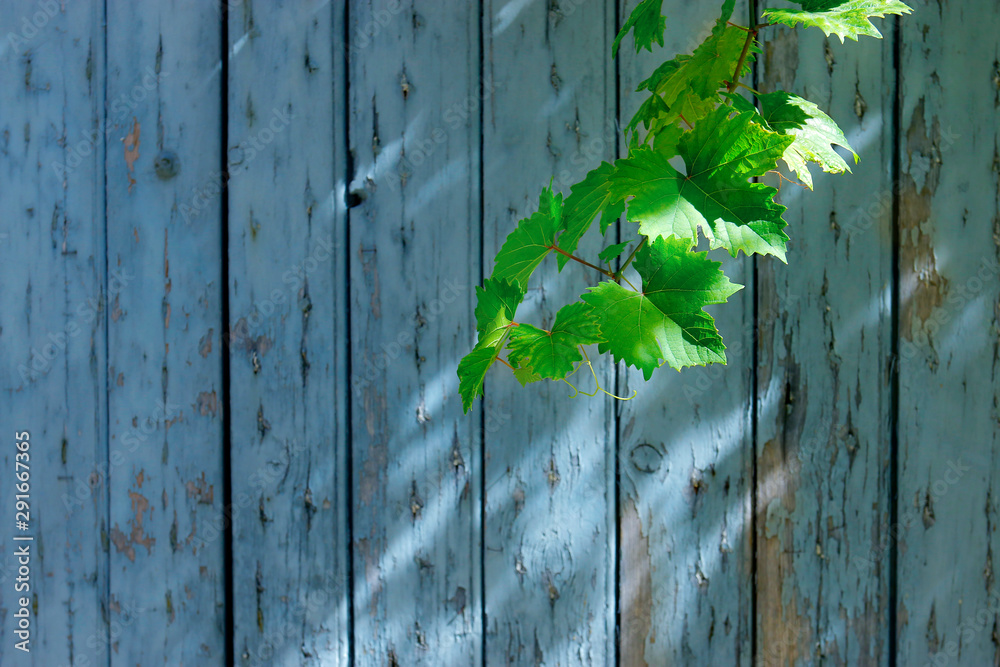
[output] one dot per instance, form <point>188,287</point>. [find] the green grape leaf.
<point>679,280</point>
<point>667,138</point>
<point>531,242</point>
<point>526,376</point>
<point>650,111</point>
<point>472,372</point>
<point>689,85</point>
<point>722,145</point>
<point>613,251</point>
<point>663,123</point>
<point>727,12</point>
<point>497,302</point>
<point>588,199</point>
<point>720,154</point>
<point>740,103</point>
<point>735,216</point>
<point>664,321</point>
<point>702,72</point>
<point>551,354</point>
<point>645,19</point>
<point>843,18</point>
<point>814,132</point>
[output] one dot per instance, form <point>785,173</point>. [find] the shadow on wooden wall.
<point>239,246</point>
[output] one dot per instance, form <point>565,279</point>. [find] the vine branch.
<point>618,275</point>
<point>740,84</point>
<point>582,261</point>
<point>751,36</point>
<point>665,265</point>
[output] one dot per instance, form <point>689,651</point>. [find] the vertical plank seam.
<point>754,405</point>
<point>227,422</point>
<point>896,165</point>
<point>348,353</point>
<point>106,602</point>
<point>619,379</point>
<point>482,266</point>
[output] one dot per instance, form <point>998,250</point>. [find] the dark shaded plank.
<point>414,252</point>
<point>287,341</point>
<point>685,462</point>
<point>164,363</point>
<point>949,381</point>
<point>52,332</point>
<point>550,507</point>
<point>823,393</point>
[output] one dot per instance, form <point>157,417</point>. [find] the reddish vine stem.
<point>751,36</point>
<point>740,84</point>
<point>621,271</point>
<point>582,261</point>
<point>758,27</point>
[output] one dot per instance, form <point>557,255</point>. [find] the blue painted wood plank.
<point>287,340</point>
<point>550,506</point>
<point>685,456</point>
<point>414,249</point>
<point>949,383</point>
<point>165,393</point>
<point>823,394</point>
<point>52,332</point>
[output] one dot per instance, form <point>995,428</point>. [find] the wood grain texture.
<point>550,507</point>
<point>378,151</point>
<point>685,456</point>
<point>287,342</point>
<point>52,330</point>
<point>949,226</point>
<point>823,396</point>
<point>414,253</point>
<point>164,363</point>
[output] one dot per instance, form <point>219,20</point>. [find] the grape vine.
<point>692,115</point>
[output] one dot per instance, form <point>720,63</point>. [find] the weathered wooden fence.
<point>246,442</point>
